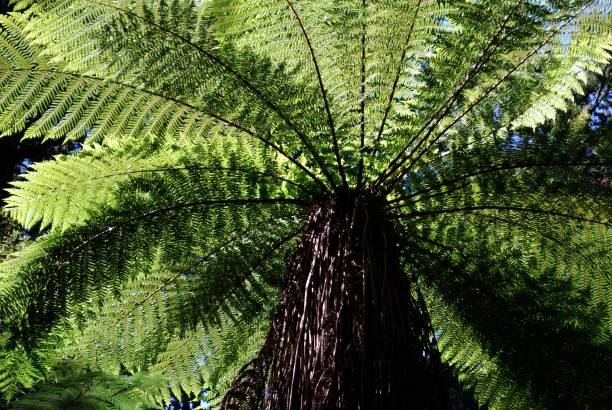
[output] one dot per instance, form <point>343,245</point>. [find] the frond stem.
<point>215,202</point>
<point>198,167</point>
<point>489,170</point>
<point>468,209</point>
<point>330,119</point>
<point>362,102</point>
<point>397,75</point>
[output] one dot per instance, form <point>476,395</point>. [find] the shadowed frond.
<point>538,194</point>
<point>20,369</point>
<point>491,382</point>
<point>507,326</point>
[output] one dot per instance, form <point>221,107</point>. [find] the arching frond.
<point>503,69</point>
<point>492,384</point>
<point>358,46</point>
<point>77,105</point>
<point>59,193</point>
<point>141,320</point>
<point>180,214</point>
<point>225,80</point>
<point>211,358</point>
<point>497,314</point>
<point>539,196</point>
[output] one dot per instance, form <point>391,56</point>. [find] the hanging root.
<point>349,331</point>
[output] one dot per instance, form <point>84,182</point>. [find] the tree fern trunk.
<point>349,332</point>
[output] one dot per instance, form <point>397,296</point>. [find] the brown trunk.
<point>349,332</point>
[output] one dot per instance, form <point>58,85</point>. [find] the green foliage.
<point>518,339</point>
<point>210,127</point>
<point>58,193</point>
<point>74,389</point>
<point>19,369</point>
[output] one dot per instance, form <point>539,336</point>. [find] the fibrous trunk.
<point>349,331</point>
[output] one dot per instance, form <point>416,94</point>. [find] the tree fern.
<point>279,200</point>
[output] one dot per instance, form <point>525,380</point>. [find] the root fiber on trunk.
<point>349,332</point>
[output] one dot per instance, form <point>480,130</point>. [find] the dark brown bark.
<point>349,331</point>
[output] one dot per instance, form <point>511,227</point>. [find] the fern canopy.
<point>209,128</point>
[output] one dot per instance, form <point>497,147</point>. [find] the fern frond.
<point>73,105</point>
<point>483,373</point>
<point>91,390</point>
<point>132,326</point>
<point>502,302</point>
<point>19,369</point>
<point>501,66</point>
<point>220,300</point>
<point>535,192</point>
<point>354,35</point>
<point>224,81</point>
<point>186,212</point>
<point>78,106</point>
<point>59,193</point>
<point>211,358</point>
<point>572,249</point>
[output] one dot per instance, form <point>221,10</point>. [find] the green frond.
<point>492,62</point>
<point>525,323</point>
<point>181,364</point>
<point>483,373</point>
<point>91,390</point>
<point>180,215</point>
<point>358,47</point>
<point>133,325</point>
<point>364,66</point>
<point>19,369</point>
<point>59,193</point>
<point>72,105</point>
<point>581,47</point>
<point>230,347</point>
<point>76,105</point>
<point>211,358</point>
<point>537,195</point>
<point>223,302</point>
<point>237,83</point>
<point>574,251</point>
